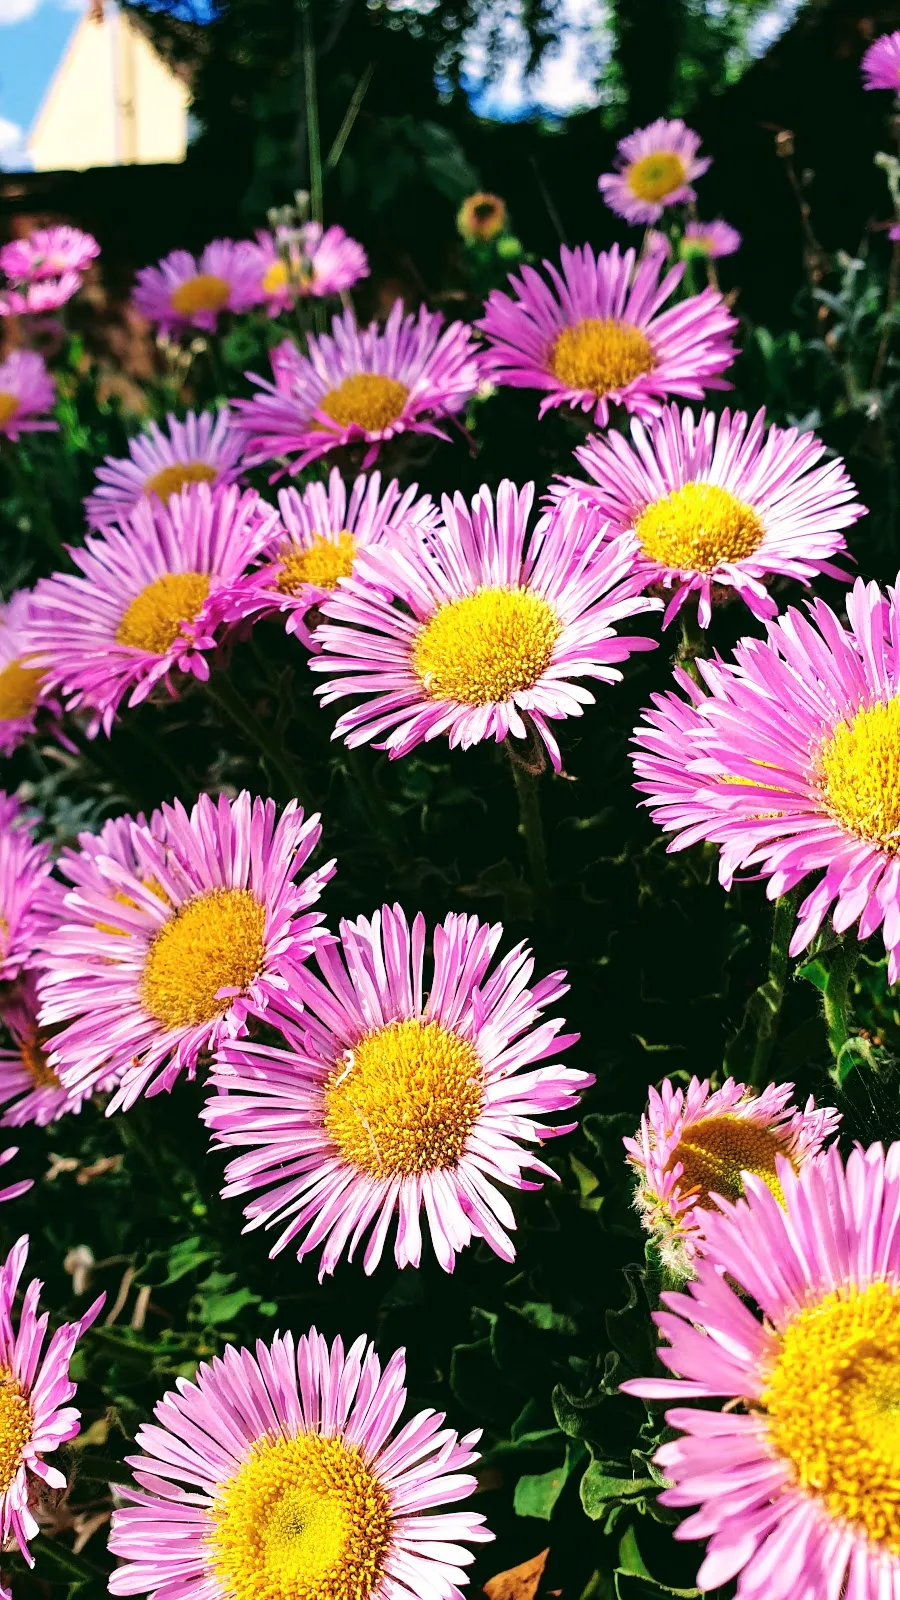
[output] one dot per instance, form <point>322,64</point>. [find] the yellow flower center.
<point>156,616</point>
<point>698,527</point>
<point>204,292</point>
<point>404,1099</point>
<point>326,560</point>
<point>215,941</point>
<point>275,277</point>
<point>833,1403</point>
<point>367,399</point>
<point>600,354</point>
<point>19,686</point>
<point>717,1150</point>
<point>485,647</point>
<point>34,1060</point>
<point>859,770</point>
<point>15,1427</point>
<point>126,900</point>
<point>170,479</point>
<point>653,177</point>
<point>9,405</point>
<point>302,1519</point>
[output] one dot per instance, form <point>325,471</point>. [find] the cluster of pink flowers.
<point>44,270</point>
<point>655,169</point>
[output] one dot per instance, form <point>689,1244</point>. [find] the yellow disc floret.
<point>859,772</point>
<point>717,1150</point>
<point>9,405</point>
<point>367,400</point>
<point>156,616</point>
<point>34,1060</point>
<point>698,527</point>
<point>15,1427</point>
<point>19,685</point>
<point>601,354</point>
<point>321,564</point>
<point>204,292</point>
<point>833,1404</point>
<point>404,1099</point>
<point>275,277</point>
<point>216,941</point>
<point>169,480</point>
<point>302,1519</point>
<point>654,177</point>
<point>486,647</point>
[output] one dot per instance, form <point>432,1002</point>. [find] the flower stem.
<point>764,1009</point>
<point>526,779</point>
<point>836,999</point>
<point>229,700</point>
<point>375,808</point>
<point>693,639</point>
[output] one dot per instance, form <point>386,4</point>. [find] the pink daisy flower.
<point>793,1321</point>
<point>477,629</point>
<point>202,449</point>
<point>298,263</point>
<point>48,253</point>
<point>144,604</point>
<point>21,682</point>
<point>360,385</point>
<point>710,239</point>
<point>12,1192</point>
<point>282,1473</point>
<point>185,291</point>
<point>720,501</point>
<point>397,1091</point>
<point>153,964</point>
<point>35,1418</point>
<point>24,873</point>
<point>597,336</point>
<point>30,1088</point>
<point>323,529</point>
<point>655,166</point>
<point>27,393</point>
<point>37,298</point>
<point>789,760</point>
<point>693,1144</point>
<point>881,63</point>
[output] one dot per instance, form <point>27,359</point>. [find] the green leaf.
<point>599,1487</point>
<point>217,1309</point>
<point>537,1492</point>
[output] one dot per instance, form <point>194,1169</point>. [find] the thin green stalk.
<point>531,825</point>
<point>764,1009</point>
<point>836,999</point>
<point>375,808</point>
<point>693,639</point>
<point>229,700</point>
<point>312,116</point>
<point>350,116</point>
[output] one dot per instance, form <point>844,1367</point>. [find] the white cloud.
<point>566,78</point>
<point>16,11</point>
<point>14,155</point>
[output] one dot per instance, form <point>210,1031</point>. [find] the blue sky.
<point>33,36</point>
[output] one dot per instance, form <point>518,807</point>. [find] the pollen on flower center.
<point>487,646</point>
<point>19,686</point>
<point>302,1519</point>
<point>275,277</point>
<point>326,560</point>
<point>215,941</point>
<point>859,771</point>
<point>366,400</point>
<point>15,1427</point>
<point>169,480</point>
<point>714,1153</point>
<point>601,354</point>
<point>404,1100</point>
<point>833,1404</point>
<point>204,292</point>
<point>698,527</point>
<point>156,616</point>
<point>655,176</point>
<point>9,405</point>
<point>34,1060</point>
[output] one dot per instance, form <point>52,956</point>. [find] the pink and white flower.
<point>655,168</point>
<point>203,448</point>
<point>360,386</point>
<point>152,964</point>
<point>185,291</point>
<point>39,297</point>
<point>400,1088</point>
<point>24,874</point>
<point>881,63</point>
<point>479,629</point>
<point>596,335</point>
<point>296,1433</point>
<point>48,253</point>
<point>710,239</point>
<point>144,605</point>
<point>720,501</point>
<point>791,1324</point>
<point>30,1089</point>
<point>27,394</point>
<point>22,703</point>
<point>307,262</point>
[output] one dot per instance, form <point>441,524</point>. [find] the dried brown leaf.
<point>519,1583</point>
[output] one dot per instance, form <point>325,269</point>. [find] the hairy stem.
<point>836,999</point>
<point>526,780</point>
<point>764,1011</point>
